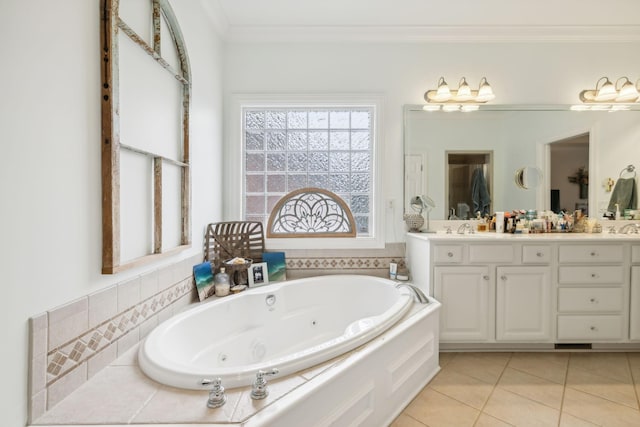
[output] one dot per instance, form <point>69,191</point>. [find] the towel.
<point>624,194</point>
<point>480,193</point>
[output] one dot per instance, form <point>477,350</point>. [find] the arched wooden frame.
<point>110,25</point>
<point>311,212</point>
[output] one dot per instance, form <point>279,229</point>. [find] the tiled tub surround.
<point>122,394</point>
<point>72,343</point>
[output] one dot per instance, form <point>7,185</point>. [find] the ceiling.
<point>426,20</point>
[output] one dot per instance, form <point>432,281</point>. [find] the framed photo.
<point>258,274</point>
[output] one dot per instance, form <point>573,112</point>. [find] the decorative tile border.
<point>72,342</point>
<point>67,357</point>
<point>335,263</point>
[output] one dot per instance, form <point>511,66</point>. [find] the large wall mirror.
<point>566,158</point>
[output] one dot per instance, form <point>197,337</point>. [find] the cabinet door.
<point>465,294</point>
<point>523,304</point>
<point>634,315</point>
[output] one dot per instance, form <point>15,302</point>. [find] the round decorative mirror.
<point>528,177</point>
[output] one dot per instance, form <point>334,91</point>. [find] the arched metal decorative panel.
<point>311,212</point>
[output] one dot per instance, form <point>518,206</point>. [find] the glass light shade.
<point>468,108</point>
<point>485,93</point>
<point>442,93</point>
<point>450,107</point>
<point>464,91</point>
<point>430,107</point>
<point>628,92</point>
<point>606,92</point>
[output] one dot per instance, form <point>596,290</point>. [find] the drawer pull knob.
<point>485,277</point>
<point>593,300</point>
<point>503,277</point>
<point>539,254</point>
<point>594,275</point>
<point>450,254</point>
<point>593,328</point>
<point>593,254</point>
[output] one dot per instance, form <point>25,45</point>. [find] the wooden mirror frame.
<point>111,146</point>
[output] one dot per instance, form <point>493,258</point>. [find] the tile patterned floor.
<point>529,389</point>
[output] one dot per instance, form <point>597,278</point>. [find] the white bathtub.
<point>310,321</point>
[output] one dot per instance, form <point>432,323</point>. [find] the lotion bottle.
<point>221,283</point>
<point>617,211</point>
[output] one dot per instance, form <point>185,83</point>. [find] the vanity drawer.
<point>590,299</point>
<point>446,254</point>
<point>590,328</point>
<point>590,253</point>
<point>490,253</point>
<point>536,254</point>
<point>590,274</point>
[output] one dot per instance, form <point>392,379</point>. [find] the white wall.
<point>525,73</point>
<point>50,213</point>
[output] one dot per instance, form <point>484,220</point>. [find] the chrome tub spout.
<point>417,292</point>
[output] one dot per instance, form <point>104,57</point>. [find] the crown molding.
<point>436,34</point>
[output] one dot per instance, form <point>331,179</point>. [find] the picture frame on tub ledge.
<point>258,274</point>
<point>277,265</point>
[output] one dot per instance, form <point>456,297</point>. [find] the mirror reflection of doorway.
<point>466,171</point>
<point>567,157</point>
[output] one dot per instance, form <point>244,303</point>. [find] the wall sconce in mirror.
<point>528,177</point>
<point>624,91</point>
<point>464,93</point>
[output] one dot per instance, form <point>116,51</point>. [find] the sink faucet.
<point>465,226</point>
<point>629,229</point>
<point>417,292</point>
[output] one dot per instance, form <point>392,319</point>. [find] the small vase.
<point>414,222</point>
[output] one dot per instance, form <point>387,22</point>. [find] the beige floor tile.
<point>445,358</point>
<point>550,366</point>
<point>634,363</point>
<point>462,387</point>
<point>605,387</point>
<point>519,410</point>
<point>486,367</point>
<point>599,411</point>
<point>485,420</point>
<point>437,410</point>
<point>568,420</point>
<point>609,365</point>
<point>532,387</point>
<point>406,421</point>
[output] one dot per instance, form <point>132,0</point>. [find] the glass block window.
<point>286,149</point>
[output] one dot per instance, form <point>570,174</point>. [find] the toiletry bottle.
<point>617,211</point>
<point>221,283</point>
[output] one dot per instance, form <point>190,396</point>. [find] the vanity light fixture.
<point>464,93</point>
<point>623,91</point>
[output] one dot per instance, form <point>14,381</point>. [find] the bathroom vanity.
<point>512,291</point>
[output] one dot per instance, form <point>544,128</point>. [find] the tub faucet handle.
<point>217,398</point>
<point>259,388</point>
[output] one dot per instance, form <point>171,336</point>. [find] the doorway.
<point>469,183</point>
<point>569,174</point>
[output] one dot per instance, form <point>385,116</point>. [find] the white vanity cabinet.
<point>466,294</point>
<point>488,294</point>
<point>592,290</point>
<point>539,291</point>
<point>634,307</point>
<point>523,304</point>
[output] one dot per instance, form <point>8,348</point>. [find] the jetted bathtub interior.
<point>291,326</point>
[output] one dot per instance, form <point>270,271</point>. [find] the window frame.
<point>233,197</point>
